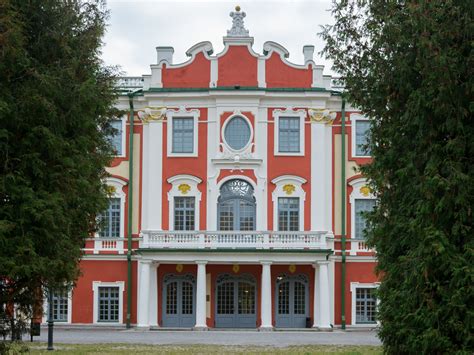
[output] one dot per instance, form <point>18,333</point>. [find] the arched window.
<point>236,206</point>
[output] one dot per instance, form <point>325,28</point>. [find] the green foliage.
<point>56,97</point>
<point>409,66</point>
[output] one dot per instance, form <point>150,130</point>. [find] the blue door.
<point>179,301</point>
<point>292,303</point>
<point>236,301</point>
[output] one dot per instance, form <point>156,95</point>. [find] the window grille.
<point>288,213</point>
<point>361,207</point>
<point>284,298</point>
<point>366,304</point>
<point>289,135</point>
<point>225,298</point>
<point>108,304</point>
<point>172,298</point>
<point>237,133</point>
<point>184,213</point>
<point>300,298</point>
<point>362,132</point>
<point>183,135</point>
<point>109,220</point>
<point>116,137</point>
<point>246,298</point>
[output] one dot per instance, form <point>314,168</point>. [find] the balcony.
<point>212,240</point>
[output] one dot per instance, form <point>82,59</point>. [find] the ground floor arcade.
<point>250,291</point>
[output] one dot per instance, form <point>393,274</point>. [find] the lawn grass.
<point>105,349</point>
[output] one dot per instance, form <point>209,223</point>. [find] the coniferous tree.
<point>408,65</point>
<point>56,97</point>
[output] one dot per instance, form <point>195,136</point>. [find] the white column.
<point>153,318</point>
<point>144,294</point>
<point>201,296</point>
<point>324,304</point>
<point>266,298</point>
<point>316,304</point>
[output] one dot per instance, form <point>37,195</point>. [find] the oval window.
<point>237,133</point>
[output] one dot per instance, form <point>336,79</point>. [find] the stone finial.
<point>238,29</point>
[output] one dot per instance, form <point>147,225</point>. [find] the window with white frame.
<point>237,133</point>
<point>289,131</point>
<point>365,305</point>
<point>184,214</point>
<point>110,219</point>
<point>360,135</point>
<point>183,135</point>
<point>362,207</point>
<point>116,138</point>
<point>288,199</point>
<point>109,304</point>
<point>288,214</point>
<point>58,311</point>
<point>289,135</point>
<point>182,132</point>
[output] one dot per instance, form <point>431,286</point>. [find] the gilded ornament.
<point>289,189</point>
<point>321,115</point>
<point>179,267</point>
<point>235,268</point>
<point>110,190</point>
<point>292,268</point>
<point>184,188</point>
<point>152,114</point>
<point>365,190</point>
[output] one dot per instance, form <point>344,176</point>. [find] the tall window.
<point>110,220</point>
<point>362,206</point>
<point>116,137</point>
<point>288,214</point>
<point>59,306</point>
<point>183,135</point>
<point>289,134</point>
<point>361,137</point>
<point>365,305</point>
<point>108,304</point>
<point>184,213</point>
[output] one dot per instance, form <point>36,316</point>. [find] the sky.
<point>137,27</point>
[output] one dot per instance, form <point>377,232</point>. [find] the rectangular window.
<point>109,220</point>
<point>116,137</point>
<point>183,135</point>
<point>289,135</point>
<point>184,213</point>
<point>288,214</point>
<point>366,304</point>
<point>108,304</point>
<point>361,136</point>
<point>59,306</point>
<point>361,207</point>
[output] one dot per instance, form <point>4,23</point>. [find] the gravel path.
<point>216,337</point>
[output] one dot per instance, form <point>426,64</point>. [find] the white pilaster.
<point>154,159</point>
<point>266,299</point>
<point>321,207</point>
<point>201,296</point>
<point>143,305</point>
<point>325,314</point>
<point>153,318</point>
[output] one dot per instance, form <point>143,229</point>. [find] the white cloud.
<point>137,27</point>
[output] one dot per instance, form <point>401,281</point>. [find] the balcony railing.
<point>234,240</point>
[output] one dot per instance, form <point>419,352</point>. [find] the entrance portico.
<point>234,289</point>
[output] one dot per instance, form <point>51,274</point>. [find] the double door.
<point>179,301</point>
<point>235,302</point>
<point>292,306</point>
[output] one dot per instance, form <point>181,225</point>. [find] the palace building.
<point>236,200</point>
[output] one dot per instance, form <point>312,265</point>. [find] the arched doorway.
<point>236,299</point>
<point>292,301</point>
<point>236,206</point>
<point>179,301</point>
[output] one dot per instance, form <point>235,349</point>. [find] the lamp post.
<point>50,319</point>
